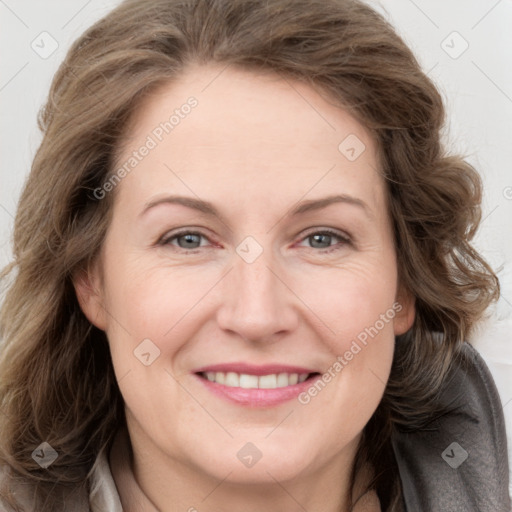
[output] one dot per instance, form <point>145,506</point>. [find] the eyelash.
<point>344,240</point>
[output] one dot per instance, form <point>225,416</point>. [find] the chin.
<point>260,461</point>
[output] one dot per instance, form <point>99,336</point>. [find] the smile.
<point>253,386</point>
<point>247,381</point>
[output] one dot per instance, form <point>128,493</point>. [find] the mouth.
<point>256,386</point>
<point>248,381</point>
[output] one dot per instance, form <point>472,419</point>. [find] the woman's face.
<point>226,261</point>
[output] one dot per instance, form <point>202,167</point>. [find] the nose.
<point>256,301</point>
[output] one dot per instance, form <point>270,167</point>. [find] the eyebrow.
<point>305,206</point>
<point>317,204</point>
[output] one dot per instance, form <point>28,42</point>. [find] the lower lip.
<point>258,397</point>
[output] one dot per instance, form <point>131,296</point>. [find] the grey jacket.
<point>458,464</point>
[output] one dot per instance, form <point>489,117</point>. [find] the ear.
<point>89,292</point>
<point>405,311</point>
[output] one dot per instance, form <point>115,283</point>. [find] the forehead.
<point>222,129</point>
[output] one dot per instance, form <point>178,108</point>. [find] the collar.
<point>114,478</point>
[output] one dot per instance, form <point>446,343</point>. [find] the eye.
<point>322,240</point>
<point>185,240</point>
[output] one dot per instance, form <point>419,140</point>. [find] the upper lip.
<point>251,369</point>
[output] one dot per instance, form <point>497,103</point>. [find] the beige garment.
<point>103,496</point>
<point>130,495</point>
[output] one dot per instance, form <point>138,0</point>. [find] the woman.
<point>244,275</point>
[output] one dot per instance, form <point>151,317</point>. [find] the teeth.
<point>232,380</point>
<point>282,380</point>
<point>268,381</point>
<point>243,380</point>
<point>248,381</point>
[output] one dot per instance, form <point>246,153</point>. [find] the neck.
<point>173,486</point>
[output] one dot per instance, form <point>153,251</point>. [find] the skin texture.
<point>254,146</point>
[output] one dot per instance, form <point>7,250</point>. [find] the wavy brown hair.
<point>57,382</point>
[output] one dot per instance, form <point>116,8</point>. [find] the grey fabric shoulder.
<point>458,463</point>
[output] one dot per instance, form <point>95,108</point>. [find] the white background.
<point>476,85</point>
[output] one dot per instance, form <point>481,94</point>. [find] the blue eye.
<point>322,240</point>
<point>188,239</point>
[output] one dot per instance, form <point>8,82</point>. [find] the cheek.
<point>356,301</point>
<point>361,347</point>
<point>357,307</point>
<point>149,309</point>
<point>361,352</point>
<point>150,302</point>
